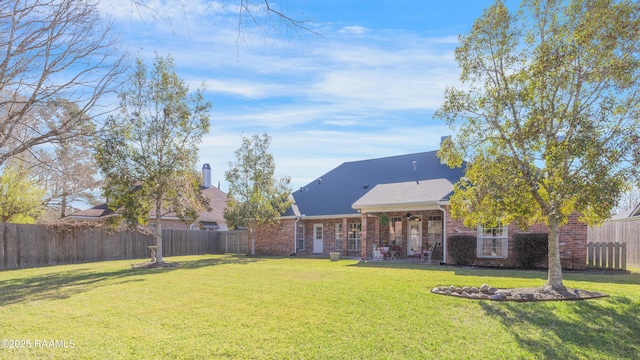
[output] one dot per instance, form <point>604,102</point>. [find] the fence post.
<point>624,256</point>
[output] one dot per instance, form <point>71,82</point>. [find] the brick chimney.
<point>206,175</point>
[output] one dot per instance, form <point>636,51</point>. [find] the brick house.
<point>211,219</point>
<point>341,211</point>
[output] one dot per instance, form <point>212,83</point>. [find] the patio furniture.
<point>418,254</point>
<point>384,250</point>
<point>395,252</point>
<point>428,253</point>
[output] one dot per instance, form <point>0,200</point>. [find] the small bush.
<point>530,249</point>
<point>462,248</point>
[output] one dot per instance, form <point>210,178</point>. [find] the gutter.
<point>444,231</point>
<point>295,235</point>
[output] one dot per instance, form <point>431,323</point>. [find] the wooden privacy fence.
<point>234,242</point>
<point>25,246</point>
<point>619,231</point>
<point>607,255</point>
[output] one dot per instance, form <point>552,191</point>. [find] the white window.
<point>339,236</point>
<point>492,241</point>
<point>300,237</point>
<point>354,237</point>
<point>434,229</point>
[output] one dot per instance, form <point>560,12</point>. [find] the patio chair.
<point>418,254</point>
<point>384,251</point>
<point>395,251</point>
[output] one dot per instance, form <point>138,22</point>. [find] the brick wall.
<point>274,239</point>
<point>278,239</point>
<point>573,242</point>
<point>174,224</point>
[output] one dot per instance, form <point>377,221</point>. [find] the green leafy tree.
<point>20,199</point>
<point>548,115</point>
<point>20,196</point>
<point>256,196</point>
<point>148,152</point>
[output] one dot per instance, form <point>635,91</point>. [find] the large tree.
<point>53,53</point>
<point>548,114</point>
<point>256,196</point>
<point>148,153</point>
<point>67,169</point>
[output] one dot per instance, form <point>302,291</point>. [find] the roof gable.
<point>334,192</point>
<point>405,193</point>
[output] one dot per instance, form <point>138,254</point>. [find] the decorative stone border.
<point>486,292</point>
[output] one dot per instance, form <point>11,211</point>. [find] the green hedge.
<point>530,249</point>
<point>462,248</point>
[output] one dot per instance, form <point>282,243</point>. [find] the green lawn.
<point>239,307</point>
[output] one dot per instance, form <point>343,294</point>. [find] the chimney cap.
<point>206,167</point>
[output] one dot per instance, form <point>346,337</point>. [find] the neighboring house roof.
<point>217,204</point>
<point>335,192</point>
<point>95,213</point>
<point>627,214</point>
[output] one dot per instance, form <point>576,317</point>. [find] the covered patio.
<point>411,221</point>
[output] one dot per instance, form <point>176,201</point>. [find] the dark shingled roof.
<point>334,192</point>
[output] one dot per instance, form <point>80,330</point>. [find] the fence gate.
<point>607,255</point>
<point>234,242</point>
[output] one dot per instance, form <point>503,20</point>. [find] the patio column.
<point>345,237</point>
<point>363,236</point>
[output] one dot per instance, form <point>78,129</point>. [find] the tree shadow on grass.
<point>607,329</point>
<point>57,285</point>
<point>63,284</point>
<point>225,260</point>
<point>591,276</point>
<point>612,277</point>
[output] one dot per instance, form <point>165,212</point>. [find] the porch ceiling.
<point>413,195</point>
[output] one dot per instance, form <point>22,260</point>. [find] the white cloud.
<point>360,93</point>
<point>356,30</point>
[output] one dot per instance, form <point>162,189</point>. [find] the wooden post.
<point>153,253</point>
<point>363,237</point>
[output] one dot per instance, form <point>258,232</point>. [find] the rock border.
<point>486,292</point>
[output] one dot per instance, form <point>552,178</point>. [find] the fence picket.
<point>607,255</point>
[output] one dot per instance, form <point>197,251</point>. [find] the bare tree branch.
<point>54,52</point>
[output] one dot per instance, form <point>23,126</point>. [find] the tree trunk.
<point>554,280</point>
<point>63,206</point>
<point>253,241</point>
<point>158,233</point>
<point>4,245</point>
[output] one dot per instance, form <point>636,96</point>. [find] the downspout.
<point>444,232</point>
<point>295,235</point>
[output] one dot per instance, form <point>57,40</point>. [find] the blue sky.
<point>367,88</point>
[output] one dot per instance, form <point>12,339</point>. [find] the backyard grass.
<point>296,308</point>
